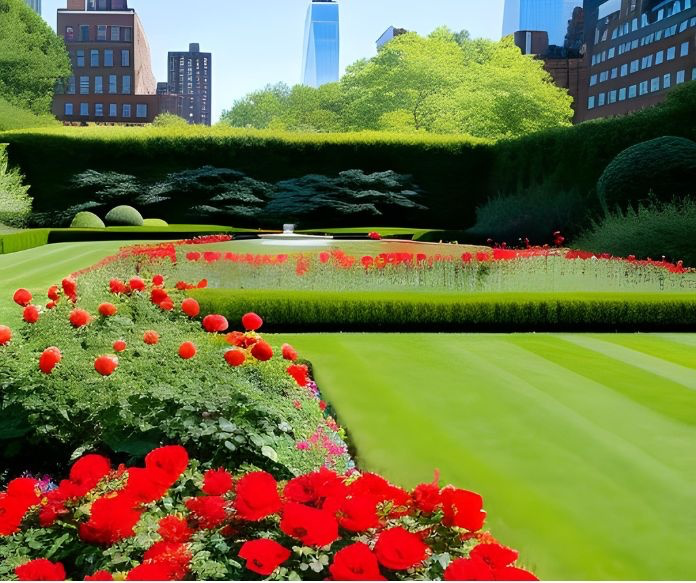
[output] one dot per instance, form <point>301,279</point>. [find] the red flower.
<point>468,570</point>
<point>145,486</point>
<point>106,309</point>
<point>324,257</point>
<point>21,495</point>
<point>167,304</point>
<point>174,529</point>
<point>426,497</point>
<point>263,556</point>
<point>100,576</point>
<point>86,473</point>
<point>176,556</point>
<point>377,486</point>
<point>202,284</point>
<point>31,314</point>
<point>235,357</point>
<point>22,297</point>
<point>217,482</point>
<point>210,511</point>
<point>5,335</point>
<point>51,305</point>
<point>312,527</point>
<point>252,322</point>
<point>53,293</point>
<point>494,555</point>
<point>358,513</point>
<point>151,337</point>
<point>116,286</point>
<point>375,236</point>
<point>262,351</point>
<point>514,574</point>
<point>236,339</point>
<point>158,295</point>
<point>355,563</point>
<point>80,318</point>
<point>193,256</point>
<point>215,323</point>
<point>158,280</point>
<point>120,346</point>
<point>70,288</point>
<point>111,520</point>
<point>49,359</point>
<point>289,353</point>
<point>316,488</point>
<point>137,284</point>
<point>187,350</point>
<point>399,550</point>
<point>106,365</point>
<point>257,496</point>
<point>463,509</point>
<point>40,570</point>
<point>300,373</point>
<point>190,307</point>
<point>150,572</point>
<point>170,461</point>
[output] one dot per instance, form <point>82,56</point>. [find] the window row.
<point>141,110</point>
<point>99,84</point>
<point>101,33</point>
<point>643,88</point>
<point>640,64</point>
<point>98,58</point>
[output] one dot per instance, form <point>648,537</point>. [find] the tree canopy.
<point>443,83</point>
<point>32,57</point>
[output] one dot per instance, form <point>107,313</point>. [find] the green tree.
<point>169,120</point>
<point>32,57</point>
<point>258,109</point>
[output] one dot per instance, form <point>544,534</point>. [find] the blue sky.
<point>256,42</point>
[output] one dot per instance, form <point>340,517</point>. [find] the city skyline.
<point>322,43</point>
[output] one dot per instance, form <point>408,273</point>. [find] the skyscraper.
<point>190,77</point>
<point>322,42</point>
<point>35,5</point>
<point>551,16</point>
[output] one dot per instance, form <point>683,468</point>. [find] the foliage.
<point>443,83</point>
<point>15,202</point>
<point>14,118</point>
<point>654,229</point>
<point>664,167</point>
<point>32,58</point>
<point>169,120</point>
<point>124,216</point>
<point>87,220</point>
<point>155,223</point>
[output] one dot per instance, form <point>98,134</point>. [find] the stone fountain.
<point>288,236</point>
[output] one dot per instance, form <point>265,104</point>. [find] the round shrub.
<point>87,220</point>
<point>124,216</point>
<point>665,166</point>
<point>155,223</point>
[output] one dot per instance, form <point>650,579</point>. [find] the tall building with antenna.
<point>322,43</point>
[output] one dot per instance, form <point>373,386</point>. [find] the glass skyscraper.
<point>321,47</point>
<point>551,16</point>
<point>35,4</point>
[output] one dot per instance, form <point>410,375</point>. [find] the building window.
<point>622,94</point>
<point>667,81</point>
<point>603,76</point>
<point>614,73</point>
<point>69,33</point>
<point>113,110</point>
<point>590,102</point>
<point>612,53</point>
<point>113,84</point>
<point>643,89</point>
<point>693,74</point>
<point>94,58</point>
<point>634,25</point>
<point>108,58</point>
<point>126,110</point>
<point>659,57</point>
<point>68,109</point>
<point>684,49</point>
<point>671,53</point>
<point>647,62</point>
<point>84,32</point>
<point>141,110</point>
<point>115,33</point>
<point>632,91</point>
<point>99,84</point>
<point>125,58</point>
<point>84,109</point>
<point>80,58</point>
<point>683,26</point>
<point>612,96</point>
<point>98,110</point>
<point>84,85</point>
<point>634,44</point>
<point>71,85</point>
<point>635,65</point>
<point>681,76</point>
<point>127,33</point>
<point>624,69</point>
<point>593,80</point>
<point>126,84</point>
<point>601,99</point>
<point>655,84</point>
<point>101,32</point>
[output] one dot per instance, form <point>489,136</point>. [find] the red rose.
<point>49,359</point>
<point>176,556</point>
<point>426,497</point>
<point>87,472</point>
<point>120,346</point>
<point>22,297</point>
<point>106,309</point>
<point>314,528</point>
<point>235,357</point>
<point>116,286</point>
<point>20,496</point>
<point>317,489</point>
<point>463,509</point>
<point>209,511</point>
<point>171,461</point>
<point>513,574</point>
<point>399,550</point>
<point>51,305</point>
<point>167,304</point>
<point>145,486</point>
<point>263,556</point>
<point>252,322</point>
<point>100,576</point>
<point>151,337</point>
<point>190,307</point>
<point>106,365</point>
<point>31,314</point>
<point>262,351</point>
<point>377,486</point>
<point>215,323</point>
<point>187,350</point>
<point>494,555</point>
<point>358,513</point>
<point>150,572</point>
<point>355,563</point>
<point>5,335</point>
<point>53,293</point>
<point>70,288</point>
<point>137,284</point>
<point>468,570</point>
<point>40,570</point>
<point>158,280</point>
<point>289,353</point>
<point>300,373</point>
<point>236,339</point>
<point>111,520</point>
<point>202,284</point>
<point>174,529</point>
<point>217,482</point>
<point>257,496</point>
<point>80,318</point>
<point>158,295</point>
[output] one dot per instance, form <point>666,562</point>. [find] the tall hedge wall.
<point>456,173</point>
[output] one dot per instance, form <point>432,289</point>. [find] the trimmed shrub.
<point>664,167</point>
<point>305,311</point>
<point>653,230</point>
<point>87,220</point>
<point>15,202</point>
<point>155,223</point>
<point>124,216</point>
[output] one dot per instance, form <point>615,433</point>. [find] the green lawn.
<point>584,446</point>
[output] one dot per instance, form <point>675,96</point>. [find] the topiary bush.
<point>124,216</point>
<point>665,167</point>
<point>155,223</point>
<point>15,202</point>
<point>87,220</point>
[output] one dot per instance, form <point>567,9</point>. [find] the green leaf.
<point>270,453</point>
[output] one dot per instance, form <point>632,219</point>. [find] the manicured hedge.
<point>309,311</point>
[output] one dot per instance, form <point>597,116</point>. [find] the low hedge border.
<point>311,311</point>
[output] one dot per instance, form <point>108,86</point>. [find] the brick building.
<point>636,51</point>
<point>190,80</point>
<point>112,79</point>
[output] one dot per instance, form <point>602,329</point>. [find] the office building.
<point>388,35</point>
<point>112,80</point>
<point>35,5</point>
<point>190,77</point>
<point>550,16</point>
<point>322,43</point>
<point>637,50</point>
